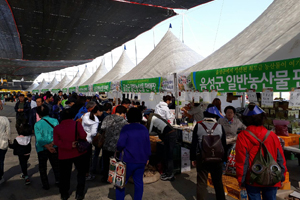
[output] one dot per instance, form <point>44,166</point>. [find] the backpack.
<point>264,170</point>
<point>212,148</point>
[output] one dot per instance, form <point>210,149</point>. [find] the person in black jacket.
<point>22,148</point>
<point>33,116</point>
<point>22,109</point>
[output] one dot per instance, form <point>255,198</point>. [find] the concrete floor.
<point>184,187</point>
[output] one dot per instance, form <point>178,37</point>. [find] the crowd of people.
<point>60,122</point>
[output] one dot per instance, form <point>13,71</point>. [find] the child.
<point>22,148</point>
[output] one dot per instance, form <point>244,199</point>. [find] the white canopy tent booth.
<point>74,80</point>
<point>86,87</point>
<point>39,88</point>
<point>106,83</point>
<point>32,86</point>
<point>84,77</point>
<point>53,83</point>
<point>63,83</point>
<point>168,57</point>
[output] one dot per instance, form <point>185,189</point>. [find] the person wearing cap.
<point>247,146</point>
<point>159,126</point>
<point>126,103</point>
<point>231,125</point>
<point>162,108</point>
<point>211,115</point>
<point>31,102</point>
<point>22,109</point>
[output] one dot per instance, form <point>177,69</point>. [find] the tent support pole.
<point>176,95</point>
<point>243,100</point>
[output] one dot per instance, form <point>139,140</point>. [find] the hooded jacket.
<point>90,126</point>
<point>163,110</point>
<point>247,147</point>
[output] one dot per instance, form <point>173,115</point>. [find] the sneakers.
<point>167,178</point>
<point>89,177</point>
<point>27,181</point>
<point>22,176</point>
<point>2,180</point>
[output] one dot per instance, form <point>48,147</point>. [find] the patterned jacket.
<point>111,126</point>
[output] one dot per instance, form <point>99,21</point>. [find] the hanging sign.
<point>279,75</point>
<point>141,85</point>
<point>84,88</point>
<point>35,91</point>
<point>102,87</point>
<point>55,90</point>
<point>44,90</point>
<point>167,83</point>
<point>267,98</point>
<point>72,89</point>
<point>294,101</point>
<point>151,97</point>
<point>65,90</point>
<point>252,96</point>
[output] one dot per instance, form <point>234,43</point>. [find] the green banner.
<point>65,90</point>
<point>84,88</point>
<point>44,90</point>
<point>101,87</point>
<point>72,89</point>
<point>35,91</point>
<point>55,90</point>
<point>141,85</point>
<point>282,76</point>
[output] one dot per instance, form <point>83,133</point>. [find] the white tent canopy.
<point>41,86</point>
<point>122,67</point>
<point>100,72</point>
<point>53,83</point>
<point>272,36</point>
<point>74,80</point>
<point>64,82</point>
<point>168,57</point>
<point>84,77</point>
<point>32,86</point>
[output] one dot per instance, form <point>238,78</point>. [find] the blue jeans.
<point>268,193</point>
<point>137,173</point>
<point>2,157</point>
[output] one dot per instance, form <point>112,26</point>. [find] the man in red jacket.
<point>246,149</point>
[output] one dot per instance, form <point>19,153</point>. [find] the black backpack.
<point>264,170</point>
<point>211,147</point>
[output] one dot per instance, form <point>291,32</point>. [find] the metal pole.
<point>182,27</point>
<point>244,100</point>
<point>153,39</point>
<point>112,62</point>
<point>135,53</point>
<point>176,95</point>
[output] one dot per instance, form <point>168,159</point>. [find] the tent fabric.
<point>53,83</point>
<point>100,72</point>
<point>64,82</point>
<point>32,86</point>
<point>84,77</point>
<point>273,36</point>
<point>74,80</point>
<point>122,67</point>
<point>41,86</point>
<point>169,56</point>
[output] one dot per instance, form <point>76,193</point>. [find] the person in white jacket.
<point>162,108</point>
<point>90,123</point>
<point>4,137</point>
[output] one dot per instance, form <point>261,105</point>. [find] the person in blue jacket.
<point>135,143</point>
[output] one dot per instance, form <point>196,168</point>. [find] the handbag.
<point>82,145</point>
<point>117,171</point>
<point>98,140</point>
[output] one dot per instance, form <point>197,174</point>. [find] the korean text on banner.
<point>65,90</point>
<point>55,90</point>
<point>280,75</point>
<point>72,89</point>
<point>101,87</point>
<point>141,85</point>
<point>84,88</point>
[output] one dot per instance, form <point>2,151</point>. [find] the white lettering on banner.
<point>232,82</point>
<point>151,86</point>
<point>101,88</point>
<point>282,78</point>
<point>219,84</point>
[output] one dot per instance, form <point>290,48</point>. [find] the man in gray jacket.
<point>212,165</point>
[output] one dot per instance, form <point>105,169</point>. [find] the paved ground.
<point>183,187</point>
